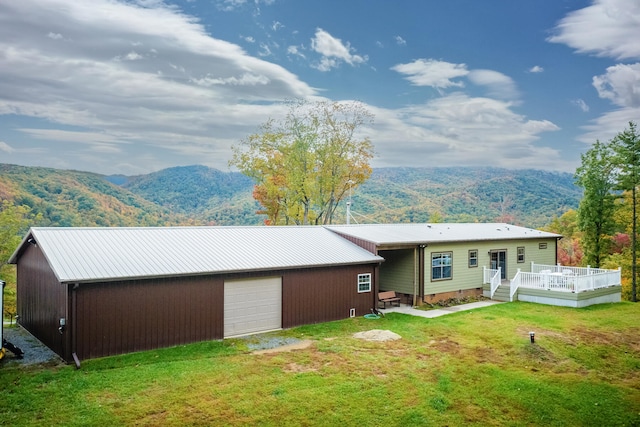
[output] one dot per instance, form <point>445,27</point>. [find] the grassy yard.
<point>469,368</point>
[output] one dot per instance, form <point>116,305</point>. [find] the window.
<point>364,282</point>
<point>521,254</point>
<point>441,265</point>
<point>542,246</point>
<point>473,258</point>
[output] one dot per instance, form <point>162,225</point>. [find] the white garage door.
<point>253,305</point>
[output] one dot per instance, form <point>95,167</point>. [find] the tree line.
<point>603,231</point>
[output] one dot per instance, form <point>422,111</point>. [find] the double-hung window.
<point>473,258</point>
<point>441,265</point>
<point>364,282</point>
<point>521,254</point>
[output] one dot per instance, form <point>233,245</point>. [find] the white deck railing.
<point>565,279</point>
<point>558,268</point>
<point>493,277</point>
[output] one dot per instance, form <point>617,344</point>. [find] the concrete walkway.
<point>407,309</point>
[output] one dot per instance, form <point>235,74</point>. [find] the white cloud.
<point>608,28</point>
<point>499,85</point>
<point>131,56</point>
<point>334,51</point>
<point>276,25</point>
<point>265,50</point>
<point>581,104</point>
<point>179,86</point>
<point>54,36</point>
<point>400,41</point>
<point>430,72</point>
<point>229,5</point>
<point>248,39</point>
<point>295,51</point>
<point>609,125</point>
<point>620,85</point>
<point>459,130</point>
<point>536,69</point>
<point>185,97</point>
<point>246,79</point>
<point>5,147</point>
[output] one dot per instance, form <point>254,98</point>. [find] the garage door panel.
<point>252,305</point>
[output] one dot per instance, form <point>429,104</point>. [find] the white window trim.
<point>364,276</point>
<point>474,258</point>
<point>440,255</point>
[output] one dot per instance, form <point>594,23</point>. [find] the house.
<point>431,262</point>
<point>93,292</point>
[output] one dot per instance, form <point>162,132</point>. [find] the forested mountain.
<point>524,197</point>
<point>200,192</point>
<point>201,195</point>
<point>81,199</point>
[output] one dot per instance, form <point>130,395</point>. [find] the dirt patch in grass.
<point>377,335</point>
<point>296,368</point>
<point>578,336</point>
<point>445,346</point>
<point>486,355</point>
<point>286,348</point>
<point>609,338</point>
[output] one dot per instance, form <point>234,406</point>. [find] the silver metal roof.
<point>398,234</point>
<point>96,254</point>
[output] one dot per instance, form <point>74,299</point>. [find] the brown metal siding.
<point>122,317</point>
<point>321,295</point>
<point>41,299</point>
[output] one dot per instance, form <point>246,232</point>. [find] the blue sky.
<point>133,87</point>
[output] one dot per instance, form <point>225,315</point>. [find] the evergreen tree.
<point>595,213</point>
<point>626,148</point>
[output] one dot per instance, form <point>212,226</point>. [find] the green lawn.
<point>469,368</point>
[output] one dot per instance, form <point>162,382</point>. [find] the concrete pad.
<point>407,309</point>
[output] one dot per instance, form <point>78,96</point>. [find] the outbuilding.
<point>93,292</point>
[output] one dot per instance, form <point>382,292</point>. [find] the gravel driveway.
<point>34,351</point>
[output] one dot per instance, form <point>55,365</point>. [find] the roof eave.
<point>13,259</point>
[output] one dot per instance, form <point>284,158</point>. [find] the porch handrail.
<point>487,274</point>
<point>493,277</point>
<point>514,284</point>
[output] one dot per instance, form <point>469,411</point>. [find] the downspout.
<point>421,271</point>
<point>74,324</point>
<point>376,282</point>
<point>415,276</point>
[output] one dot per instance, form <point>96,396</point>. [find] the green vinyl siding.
<point>397,272</point>
<point>463,277</point>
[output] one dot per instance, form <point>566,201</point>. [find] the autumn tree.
<point>569,246</point>
<point>14,223</point>
<point>595,213</point>
<point>306,163</point>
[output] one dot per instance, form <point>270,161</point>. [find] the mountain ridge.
<point>201,195</point>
